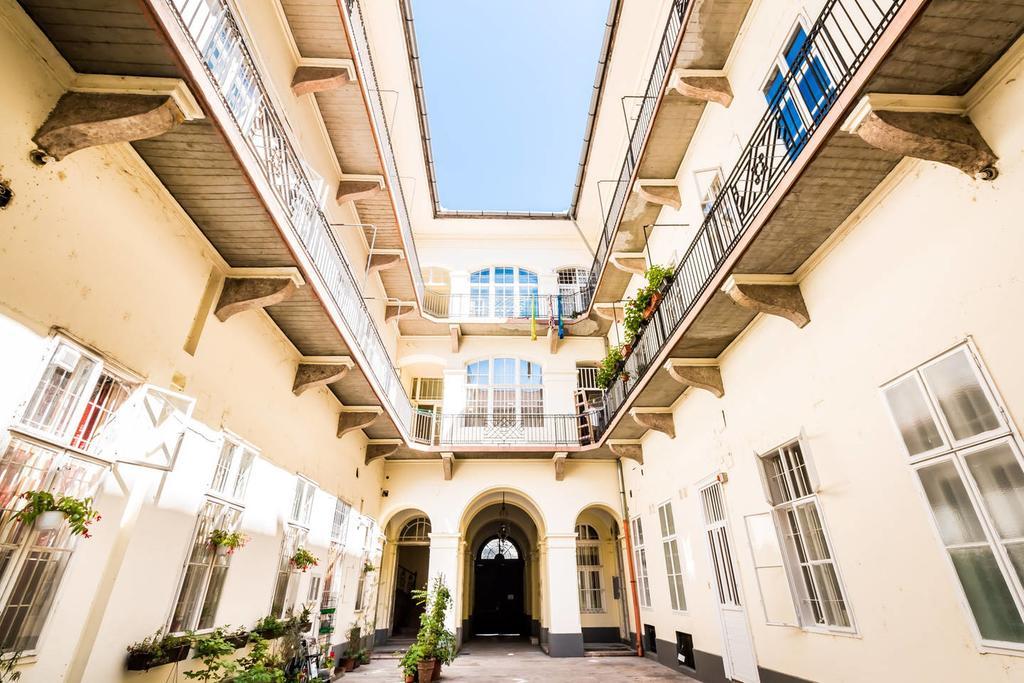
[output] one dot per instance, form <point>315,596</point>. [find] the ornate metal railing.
<point>364,62</point>
<point>637,140</point>
<point>490,429</point>
<point>836,46</point>
<point>215,38</point>
<point>568,305</point>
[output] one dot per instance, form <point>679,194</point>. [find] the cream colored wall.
<point>94,245</point>
<point>930,260</point>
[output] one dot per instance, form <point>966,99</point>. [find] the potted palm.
<point>48,512</point>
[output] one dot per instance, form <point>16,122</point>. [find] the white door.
<point>740,662</point>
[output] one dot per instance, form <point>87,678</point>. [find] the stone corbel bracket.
<point>99,110</point>
<point>559,461</point>
<point>352,418</point>
<point>455,336</point>
<point>633,262</point>
<point>659,192</point>
<point>384,259</point>
<point>317,74</point>
<point>930,127</point>
<point>614,312</point>
<point>352,188</point>
<point>381,448</point>
<point>700,373</point>
<point>702,84</point>
<point>248,288</point>
<point>397,309</point>
<point>448,465</point>
<point>553,340</point>
<point>319,371</point>
<point>627,448</point>
<point>770,294</point>
<point>658,419</point>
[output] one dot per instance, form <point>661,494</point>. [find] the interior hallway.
<point>524,663</point>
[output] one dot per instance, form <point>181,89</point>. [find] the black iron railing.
<point>836,46</point>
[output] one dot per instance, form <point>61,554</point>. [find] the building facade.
<point>230,301</point>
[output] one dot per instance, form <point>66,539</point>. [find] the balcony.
<point>537,431</point>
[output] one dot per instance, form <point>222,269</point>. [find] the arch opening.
<point>409,544</point>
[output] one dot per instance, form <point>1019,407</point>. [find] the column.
<point>565,634</point>
<point>444,561</point>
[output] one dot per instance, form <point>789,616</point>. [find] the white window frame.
<point>673,565</point>
<point>591,585</point>
<point>60,443</point>
<point>803,494</point>
<point>529,413</point>
<point>484,299</point>
<point>956,451</point>
<point>780,65</point>
<point>640,562</point>
<point>241,458</point>
<point>706,196</point>
<point>302,502</point>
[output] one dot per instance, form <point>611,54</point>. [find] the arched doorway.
<point>601,579</point>
<point>412,561</point>
<point>500,588</point>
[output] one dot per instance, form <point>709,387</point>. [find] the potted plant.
<point>410,661</point>
<point>48,512</point>
<point>157,650</point>
<point>610,368</point>
<point>269,627</point>
<point>227,542</point>
<point>301,622</point>
<point>239,638</point>
<point>437,643</point>
<point>260,666</point>
<point>213,650</point>
<point>303,560</point>
<point>658,280</point>
<point>348,660</point>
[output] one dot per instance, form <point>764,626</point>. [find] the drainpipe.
<point>629,558</point>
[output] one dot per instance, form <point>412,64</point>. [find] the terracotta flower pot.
<point>350,665</point>
<point>425,669</point>
<point>653,305</point>
<point>436,676</point>
<point>409,678</point>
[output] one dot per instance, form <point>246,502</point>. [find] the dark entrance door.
<point>498,598</point>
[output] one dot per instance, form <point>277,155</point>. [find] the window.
<point>428,397</point>
<point>572,286</point>
<point>339,526</point>
<point>503,292</point>
<point>959,443</point>
<point>73,406</point>
<point>803,100</point>
<point>671,549</point>
<point>807,551</point>
<point>231,477</point>
<point>499,549</point>
<point>588,565</point>
<point>717,532</point>
<point>332,571</point>
<point>302,503</point>
<point>205,570</point>
<point>709,186</point>
<point>415,531</point>
<point>32,562</point>
<point>505,391</point>
<point>287,581</point>
<point>363,587</point>
<point>640,563</point>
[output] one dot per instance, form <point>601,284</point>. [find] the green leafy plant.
<point>434,640</point>
<point>635,308</point>
<point>158,649</point>
<point>232,540</point>
<point>411,659</point>
<point>369,567</point>
<point>609,369</point>
<point>355,639</point>
<point>213,650</point>
<point>269,627</point>
<point>303,559</point>
<point>78,512</point>
<point>657,276</point>
<point>260,665</point>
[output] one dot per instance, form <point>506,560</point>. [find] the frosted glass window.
<point>961,398</point>
<point>909,408</point>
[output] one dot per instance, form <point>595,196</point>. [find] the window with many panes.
<point>48,448</point>
<point>505,391</point>
<point>206,566</point>
<point>588,566</point>
<point>572,286</point>
<point>503,292</point>
<point>332,570</point>
<point>808,555</point>
<point>670,547</point>
<point>365,583</point>
<point>302,503</point>
<point>959,442</point>
<point>803,100</point>
<point>295,533</point>
<point>643,584</point>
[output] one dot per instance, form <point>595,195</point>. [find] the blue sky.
<point>507,85</point>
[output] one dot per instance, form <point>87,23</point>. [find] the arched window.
<point>588,564</point>
<point>505,390</point>
<point>498,549</point>
<point>502,292</point>
<point>416,530</point>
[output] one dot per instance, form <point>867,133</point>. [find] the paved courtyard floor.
<point>517,662</point>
